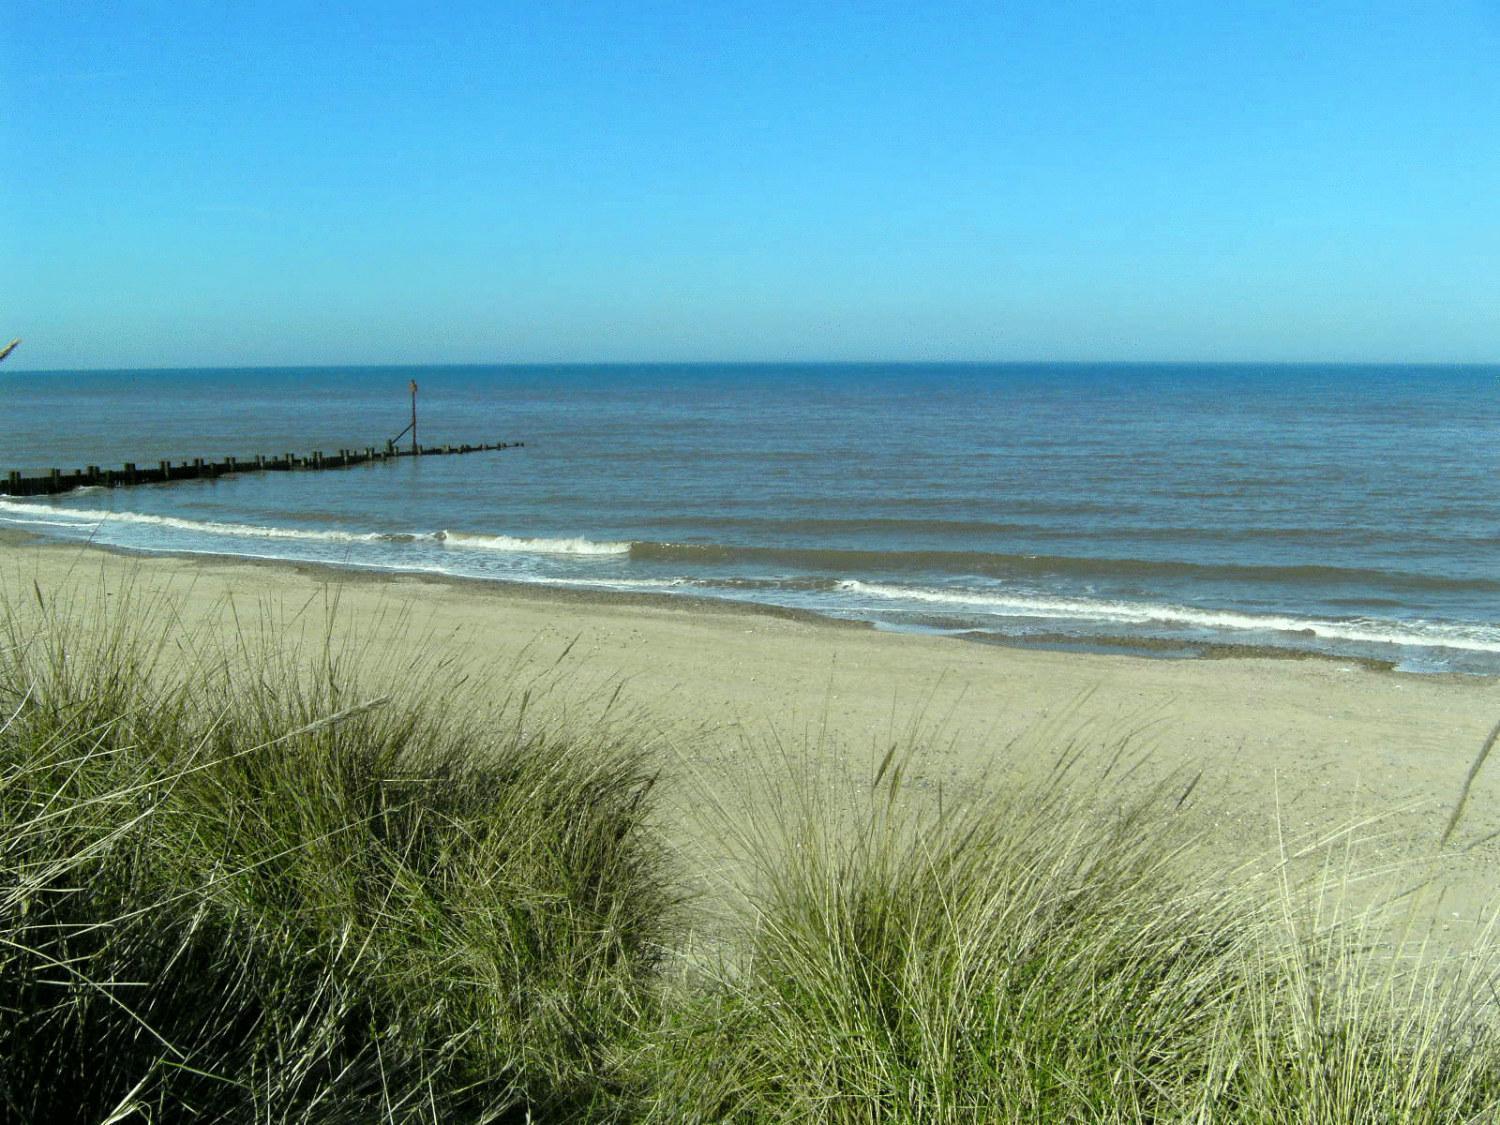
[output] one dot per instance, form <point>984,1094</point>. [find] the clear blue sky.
<point>205,183</point>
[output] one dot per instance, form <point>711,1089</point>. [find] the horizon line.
<point>13,370</point>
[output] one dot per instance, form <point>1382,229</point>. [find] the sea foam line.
<point>53,516</point>
<point>532,545</point>
<point>1425,635</point>
<point>81,517</point>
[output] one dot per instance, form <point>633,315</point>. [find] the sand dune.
<point>1287,748</point>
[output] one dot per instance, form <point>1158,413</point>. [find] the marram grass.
<point>243,882</point>
<point>273,898</point>
<point>1033,958</point>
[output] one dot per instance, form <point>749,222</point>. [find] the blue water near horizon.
<point>1344,510</point>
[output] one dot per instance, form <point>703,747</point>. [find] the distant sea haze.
<point>1175,510</point>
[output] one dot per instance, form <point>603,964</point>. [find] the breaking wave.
<point>1361,631</point>
<point>47,515</point>
<point>998,592</point>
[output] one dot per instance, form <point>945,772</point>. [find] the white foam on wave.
<point>516,544</point>
<point>623,585</point>
<point>80,517</point>
<point>48,515</point>
<point>1410,634</point>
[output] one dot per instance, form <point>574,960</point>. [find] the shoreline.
<point>1280,753</point>
<point>1087,645</point>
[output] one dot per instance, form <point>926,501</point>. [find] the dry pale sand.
<point>1299,748</point>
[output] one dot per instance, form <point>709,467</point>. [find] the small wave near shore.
<point>963,593</point>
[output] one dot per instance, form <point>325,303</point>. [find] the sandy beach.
<point>1286,748</point>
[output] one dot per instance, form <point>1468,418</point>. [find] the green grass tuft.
<point>270,897</point>
<point>1036,959</point>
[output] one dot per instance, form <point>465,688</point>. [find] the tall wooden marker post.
<point>414,416</point>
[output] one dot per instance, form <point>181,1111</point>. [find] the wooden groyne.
<point>14,484</point>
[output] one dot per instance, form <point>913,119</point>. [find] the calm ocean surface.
<point>1172,508</point>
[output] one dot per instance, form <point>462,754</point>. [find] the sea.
<point>1173,510</point>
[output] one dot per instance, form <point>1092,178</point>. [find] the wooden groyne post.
<point>411,427</point>
<point>55,480</point>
